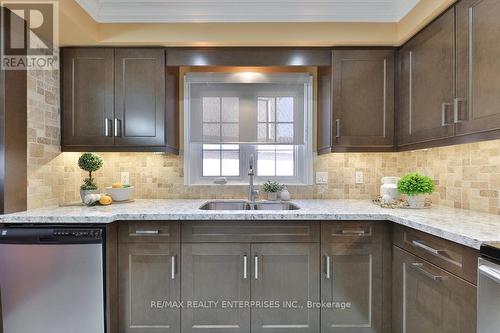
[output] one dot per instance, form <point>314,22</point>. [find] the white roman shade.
<point>247,107</point>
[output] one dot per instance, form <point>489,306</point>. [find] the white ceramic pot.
<point>120,194</point>
<point>83,193</point>
<point>416,201</point>
<point>273,196</point>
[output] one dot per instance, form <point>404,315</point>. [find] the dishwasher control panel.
<point>51,235</point>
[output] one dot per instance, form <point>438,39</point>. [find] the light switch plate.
<point>321,178</point>
<point>125,178</point>
<point>359,177</point>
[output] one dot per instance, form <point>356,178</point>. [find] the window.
<point>231,116</point>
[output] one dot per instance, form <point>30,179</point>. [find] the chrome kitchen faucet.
<point>252,192</point>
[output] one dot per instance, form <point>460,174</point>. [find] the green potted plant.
<point>89,162</point>
<point>416,186</point>
<point>272,189</point>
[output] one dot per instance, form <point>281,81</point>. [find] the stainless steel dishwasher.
<point>52,280</point>
<point>488,285</point>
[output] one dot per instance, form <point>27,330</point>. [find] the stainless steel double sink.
<point>247,205</point>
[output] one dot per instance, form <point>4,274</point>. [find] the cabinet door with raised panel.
<point>217,273</point>
<point>87,97</point>
<point>426,83</point>
<point>352,278</point>
<point>148,281</point>
<point>478,68</point>
<point>428,299</point>
<point>287,275</point>
<point>363,98</point>
<point>140,97</point>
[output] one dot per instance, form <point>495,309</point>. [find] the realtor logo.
<point>29,35</point>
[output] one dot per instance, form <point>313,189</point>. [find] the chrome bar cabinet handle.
<point>456,108</point>
<point>337,126</point>
<point>327,267</point>
<point>147,232</point>
<point>256,267</point>
<point>444,107</point>
<point>420,268</point>
<point>245,267</point>
<point>173,270</point>
<point>353,232</point>
<point>107,127</point>
<point>427,248</point>
<point>118,123</point>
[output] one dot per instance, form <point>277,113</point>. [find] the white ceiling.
<point>175,11</point>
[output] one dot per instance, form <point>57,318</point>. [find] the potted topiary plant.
<point>272,189</point>
<point>416,186</point>
<point>89,162</point>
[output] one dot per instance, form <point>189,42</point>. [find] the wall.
<point>161,176</point>
<point>45,161</point>
<point>467,176</point>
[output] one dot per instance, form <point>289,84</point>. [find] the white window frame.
<point>303,154</point>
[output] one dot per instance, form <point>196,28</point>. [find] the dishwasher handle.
<point>490,272</point>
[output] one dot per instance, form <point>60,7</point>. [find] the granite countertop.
<point>462,226</point>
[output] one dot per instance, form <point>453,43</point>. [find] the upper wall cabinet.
<point>139,97</point>
<point>449,78</point>
<point>363,102</point>
<point>478,66</point>
<point>115,100</point>
<point>87,98</point>
<point>426,83</point>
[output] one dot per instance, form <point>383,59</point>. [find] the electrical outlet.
<point>125,178</point>
<point>359,177</point>
<point>321,178</point>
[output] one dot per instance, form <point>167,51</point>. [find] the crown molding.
<point>243,11</point>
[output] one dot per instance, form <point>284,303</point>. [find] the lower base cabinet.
<point>280,278</point>
<point>147,278</point>
<point>428,299</point>
<point>215,273</point>
<point>287,274</point>
<point>353,278</point>
<point>250,287</point>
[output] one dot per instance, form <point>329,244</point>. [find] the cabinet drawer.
<point>350,231</point>
<point>149,232</point>
<point>455,258</point>
<point>250,231</point>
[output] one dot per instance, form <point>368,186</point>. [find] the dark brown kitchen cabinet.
<point>478,66</point>
<point>216,272</point>
<point>428,299</point>
<point>139,97</point>
<point>426,83</point>
<point>355,273</point>
<point>148,276</point>
<point>87,97</point>
<point>281,273</point>
<point>118,100</point>
<point>363,99</point>
<point>267,273</point>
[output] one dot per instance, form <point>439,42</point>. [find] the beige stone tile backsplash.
<point>467,176</point>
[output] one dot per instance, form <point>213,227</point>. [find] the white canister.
<point>285,195</point>
<point>389,189</point>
